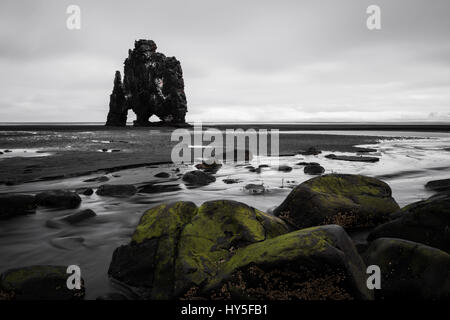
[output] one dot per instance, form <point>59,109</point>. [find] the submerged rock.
<point>314,169</point>
<point>427,222</point>
<point>38,283</point>
<point>410,270</point>
<point>178,245</point>
<point>311,264</point>
<point>98,179</point>
<point>209,167</point>
<point>352,158</point>
<point>12,205</point>
<point>351,201</point>
<point>198,177</point>
<point>117,190</point>
<point>159,188</point>
<point>79,216</point>
<point>85,191</point>
<point>439,185</point>
<point>58,199</point>
<point>162,175</point>
<point>284,168</point>
<point>231,181</point>
<point>311,151</point>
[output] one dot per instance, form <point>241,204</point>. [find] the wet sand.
<point>73,151</point>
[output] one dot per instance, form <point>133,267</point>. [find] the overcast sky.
<point>242,60</point>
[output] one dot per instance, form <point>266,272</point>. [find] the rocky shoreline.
<point>225,249</point>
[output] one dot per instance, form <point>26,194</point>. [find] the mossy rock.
<point>410,270</point>
<point>426,222</point>
<point>352,201</point>
<point>38,283</point>
<point>13,205</point>
<point>215,233</point>
<point>178,245</point>
<point>311,264</point>
<point>147,264</point>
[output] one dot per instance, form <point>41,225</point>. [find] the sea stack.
<point>152,85</point>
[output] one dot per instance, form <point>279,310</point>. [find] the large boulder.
<point>58,199</point>
<point>38,283</point>
<point>117,190</point>
<point>427,222</point>
<point>198,177</point>
<point>410,270</point>
<point>177,246</point>
<point>12,205</point>
<point>311,264</point>
<point>351,201</point>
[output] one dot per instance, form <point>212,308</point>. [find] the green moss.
<point>165,219</point>
<point>16,277</point>
<point>343,185</point>
<point>215,233</point>
<point>279,250</point>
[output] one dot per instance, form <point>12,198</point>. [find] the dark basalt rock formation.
<point>152,85</point>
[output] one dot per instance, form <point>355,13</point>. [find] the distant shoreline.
<point>417,127</point>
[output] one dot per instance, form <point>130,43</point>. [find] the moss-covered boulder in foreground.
<point>178,245</point>
<point>38,283</point>
<point>427,222</point>
<point>310,264</point>
<point>410,270</point>
<point>351,201</point>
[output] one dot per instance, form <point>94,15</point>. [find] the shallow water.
<point>405,164</point>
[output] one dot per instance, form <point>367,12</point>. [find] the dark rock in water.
<point>85,191</point>
<point>153,85</point>
<point>162,175</point>
<point>38,283</point>
<point>12,205</point>
<point>410,270</point>
<point>284,168</point>
<point>117,190</point>
<point>7,151</point>
<point>114,296</point>
<point>159,188</point>
<point>308,164</point>
<point>427,222</point>
<point>231,181</point>
<point>352,201</point>
<point>255,188</point>
<point>79,216</point>
<point>263,166</point>
<point>352,158</point>
<point>177,246</point>
<point>365,150</point>
<point>58,199</point>
<point>439,185</point>
<point>67,243</point>
<point>314,169</point>
<point>97,179</point>
<point>311,151</point>
<point>1,152</point>
<point>319,263</point>
<point>209,167</point>
<point>198,177</point>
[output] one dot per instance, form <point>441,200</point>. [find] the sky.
<point>243,61</point>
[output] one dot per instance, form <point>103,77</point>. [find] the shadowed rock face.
<point>152,85</point>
